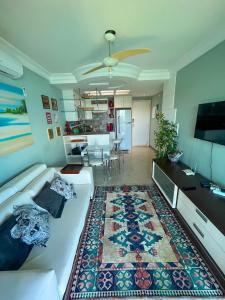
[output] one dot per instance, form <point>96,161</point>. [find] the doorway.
<point>141,112</point>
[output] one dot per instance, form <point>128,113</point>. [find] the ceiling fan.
<point>113,59</point>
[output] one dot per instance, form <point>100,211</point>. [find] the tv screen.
<point>210,124</point>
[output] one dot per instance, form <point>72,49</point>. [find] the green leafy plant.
<point>165,137</point>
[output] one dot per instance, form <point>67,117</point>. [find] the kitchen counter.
<point>88,133</point>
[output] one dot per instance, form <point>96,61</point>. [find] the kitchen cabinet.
<point>122,101</point>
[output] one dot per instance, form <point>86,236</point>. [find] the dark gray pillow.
<point>50,200</point>
<point>13,252</point>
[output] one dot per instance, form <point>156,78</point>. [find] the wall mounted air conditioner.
<point>10,66</point>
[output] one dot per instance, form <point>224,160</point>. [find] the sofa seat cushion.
<point>64,238</point>
<point>28,285</point>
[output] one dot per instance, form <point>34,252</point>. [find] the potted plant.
<point>166,139</point>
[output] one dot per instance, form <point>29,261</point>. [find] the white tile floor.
<point>135,170</point>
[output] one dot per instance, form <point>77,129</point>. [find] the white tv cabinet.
<point>200,211</point>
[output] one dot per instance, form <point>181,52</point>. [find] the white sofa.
<point>46,271</point>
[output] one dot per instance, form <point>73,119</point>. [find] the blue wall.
<point>42,150</point>
<point>200,82</point>
<point>156,100</point>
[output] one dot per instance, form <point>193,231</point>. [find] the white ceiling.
<point>62,35</point>
<point>138,88</point>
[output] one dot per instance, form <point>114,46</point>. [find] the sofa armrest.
<point>28,284</point>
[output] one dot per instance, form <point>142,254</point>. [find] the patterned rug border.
<point>216,294</point>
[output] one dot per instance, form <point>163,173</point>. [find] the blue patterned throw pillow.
<point>32,225</point>
<point>63,188</point>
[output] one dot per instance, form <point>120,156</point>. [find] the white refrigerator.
<point>124,127</point>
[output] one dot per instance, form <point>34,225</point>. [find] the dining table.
<point>106,149</point>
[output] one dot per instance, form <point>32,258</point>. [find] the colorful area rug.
<point>133,245</point>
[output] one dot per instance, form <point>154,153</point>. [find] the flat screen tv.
<point>210,123</point>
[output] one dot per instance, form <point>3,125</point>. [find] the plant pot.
<point>175,156</point>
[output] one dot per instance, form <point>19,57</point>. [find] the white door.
<point>123,128</point>
<point>141,110</point>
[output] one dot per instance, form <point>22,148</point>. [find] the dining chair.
<point>114,161</point>
<point>96,158</point>
<point>116,148</point>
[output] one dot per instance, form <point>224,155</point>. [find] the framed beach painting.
<point>15,127</point>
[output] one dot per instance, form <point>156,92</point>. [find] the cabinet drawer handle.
<point>201,215</point>
<point>199,231</point>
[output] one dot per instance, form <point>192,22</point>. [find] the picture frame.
<point>50,133</point>
<point>54,104</point>
<point>58,131</point>
<point>15,126</point>
<point>45,102</point>
<point>48,117</point>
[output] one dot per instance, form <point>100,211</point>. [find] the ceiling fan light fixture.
<point>110,35</point>
<point>113,59</point>
<point>110,61</point>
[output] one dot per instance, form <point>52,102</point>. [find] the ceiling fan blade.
<point>130,52</point>
<point>94,69</point>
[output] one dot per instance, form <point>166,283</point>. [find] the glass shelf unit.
<point>166,186</point>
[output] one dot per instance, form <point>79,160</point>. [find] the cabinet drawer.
<point>198,217</point>
<point>208,235</point>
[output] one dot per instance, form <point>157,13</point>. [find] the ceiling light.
<point>110,92</point>
<point>98,83</point>
<point>92,93</point>
<point>122,92</point>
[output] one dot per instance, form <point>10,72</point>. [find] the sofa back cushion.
<point>19,182</point>
<point>7,207</point>
<point>36,185</point>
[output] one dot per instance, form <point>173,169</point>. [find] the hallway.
<point>135,170</point>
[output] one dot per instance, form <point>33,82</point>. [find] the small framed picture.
<point>50,134</point>
<point>58,131</point>
<point>45,102</point>
<point>54,104</point>
<point>48,117</point>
